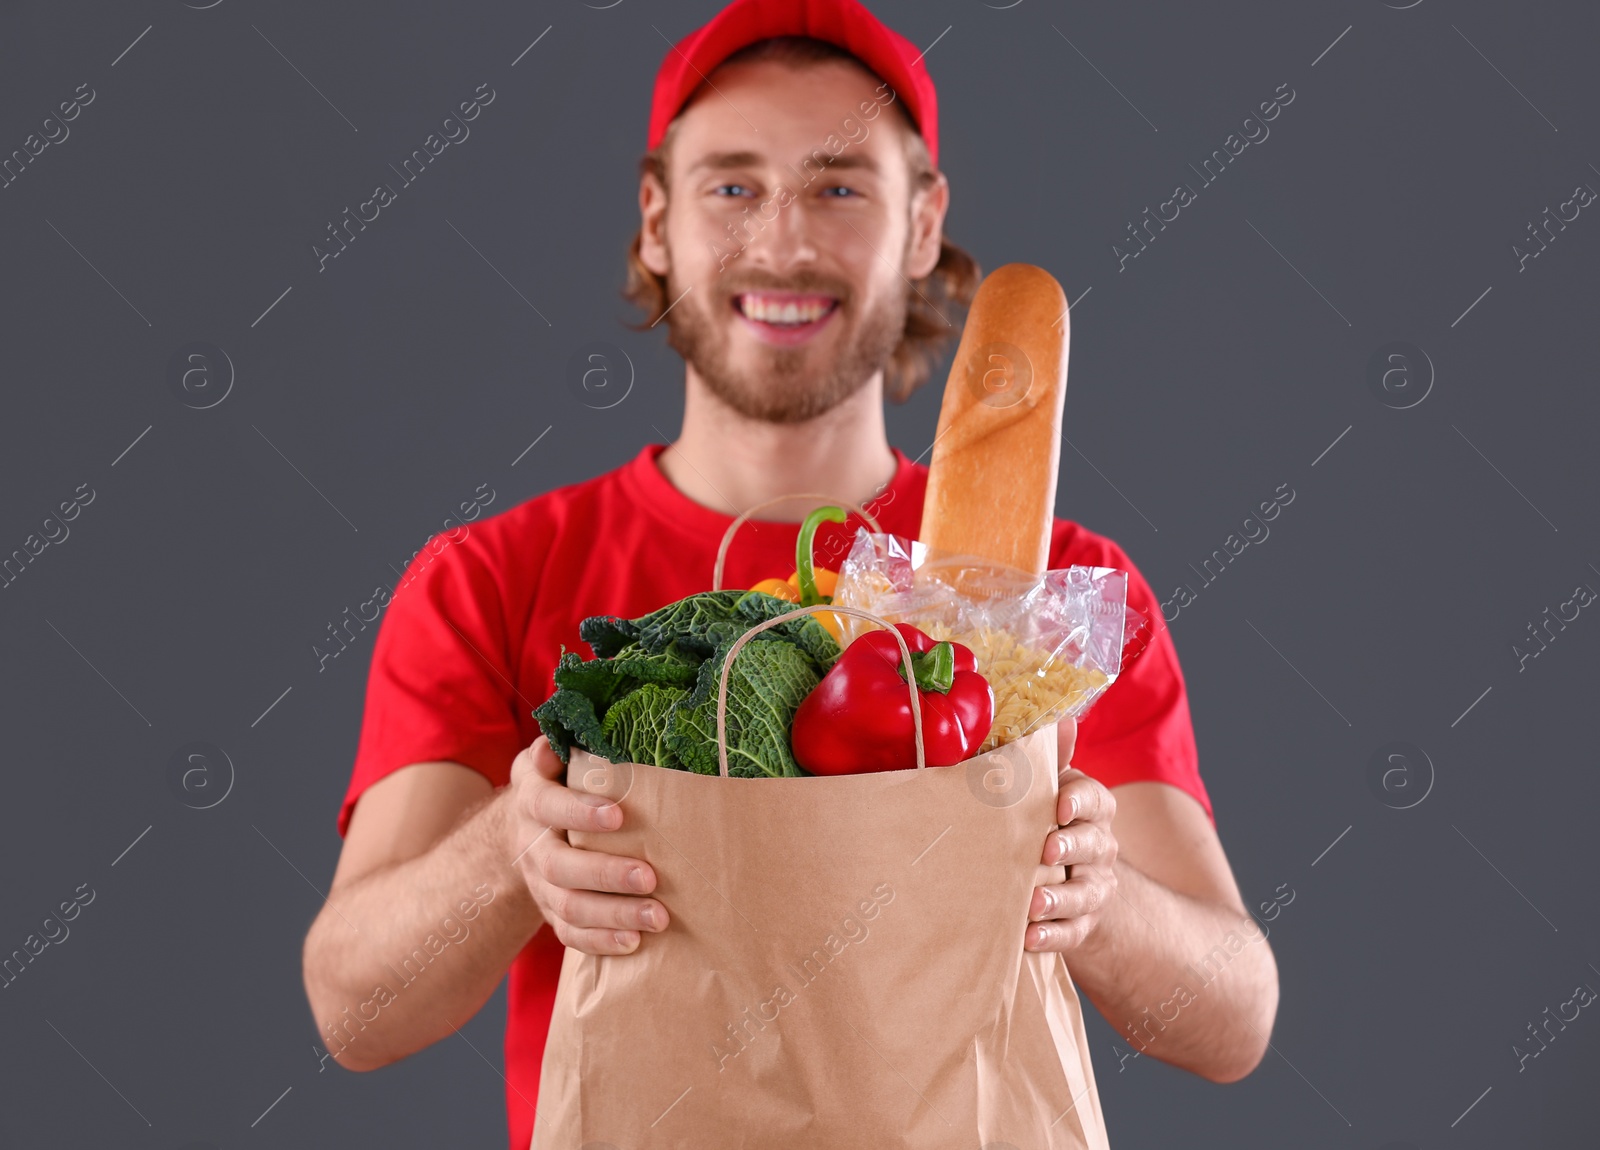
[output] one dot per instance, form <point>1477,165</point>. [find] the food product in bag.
<point>858,718</point>
<point>649,695</point>
<point>1049,644</point>
<point>1036,686</point>
<point>809,584</point>
<point>992,478</point>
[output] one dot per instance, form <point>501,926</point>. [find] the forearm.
<point>1189,982</point>
<point>399,958</point>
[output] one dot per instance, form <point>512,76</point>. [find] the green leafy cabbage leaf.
<point>637,725</point>
<point>769,681</point>
<point>569,718</point>
<point>649,696</point>
<point>670,665</point>
<point>606,634</point>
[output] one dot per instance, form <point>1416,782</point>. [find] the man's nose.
<point>784,234</point>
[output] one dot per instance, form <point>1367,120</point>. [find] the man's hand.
<point>590,899</point>
<point>1063,915</point>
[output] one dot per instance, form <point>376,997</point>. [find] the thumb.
<point>539,758</point>
<point>1066,741</point>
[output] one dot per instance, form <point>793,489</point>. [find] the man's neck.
<point>729,462</point>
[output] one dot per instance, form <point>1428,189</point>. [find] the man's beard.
<point>785,390</point>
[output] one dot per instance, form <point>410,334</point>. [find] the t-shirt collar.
<point>655,493</point>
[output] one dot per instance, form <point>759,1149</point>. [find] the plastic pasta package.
<point>1050,644</point>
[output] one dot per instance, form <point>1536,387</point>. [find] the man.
<point>791,232</point>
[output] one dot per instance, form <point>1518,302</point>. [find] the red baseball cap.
<point>846,23</point>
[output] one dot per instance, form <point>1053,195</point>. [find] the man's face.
<point>787,270</point>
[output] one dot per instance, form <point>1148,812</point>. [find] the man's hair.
<point>953,280</point>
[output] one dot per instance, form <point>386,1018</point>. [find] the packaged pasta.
<point>1050,644</point>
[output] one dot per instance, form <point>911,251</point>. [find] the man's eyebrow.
<point>719,161</point>
<point>723,161</point>
<point>854,160</point>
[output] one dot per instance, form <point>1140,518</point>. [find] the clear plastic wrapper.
<point>1049,644</point>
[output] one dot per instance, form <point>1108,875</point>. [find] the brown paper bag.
<point>844,967</point>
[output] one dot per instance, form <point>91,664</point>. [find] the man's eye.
<point>739,189</point>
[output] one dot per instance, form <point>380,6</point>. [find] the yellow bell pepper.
<point>810,585</point>
<point>779,589</point>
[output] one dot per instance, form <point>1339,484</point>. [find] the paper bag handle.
<point>857,612</point>
<point>744,517</point>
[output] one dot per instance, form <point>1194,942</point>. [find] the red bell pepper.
<point>858,719</point>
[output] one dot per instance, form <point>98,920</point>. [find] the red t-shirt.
<point>474,629</point>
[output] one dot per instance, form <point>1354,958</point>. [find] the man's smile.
<point>785,318</point>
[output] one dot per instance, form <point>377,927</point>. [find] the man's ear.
<point>653,224</point>
<point>928,208</point>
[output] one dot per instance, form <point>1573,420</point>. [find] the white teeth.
<point>757,308</point>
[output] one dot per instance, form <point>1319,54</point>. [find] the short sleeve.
<point>1140,729</point>
<point>440,683</point>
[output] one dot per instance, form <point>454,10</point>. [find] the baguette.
<point>992,478</point>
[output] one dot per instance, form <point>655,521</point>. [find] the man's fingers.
<point>1081,797</point>
<point>533,835</point>
<point>1049,875</point>
<point>539,771</point>
<point>591,941</point>
<point>1067,900</point>
<point>1066,741</point>
<point>1056,935</point>
<point>567,866</point>
<point>1079,843</point>
<point>545,759</point>
<point>547,801</point>
<point>554,805</point>
<point>585,909</point>
<point>538,758</point>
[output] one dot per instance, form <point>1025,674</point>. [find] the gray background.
<point>375,396</point>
